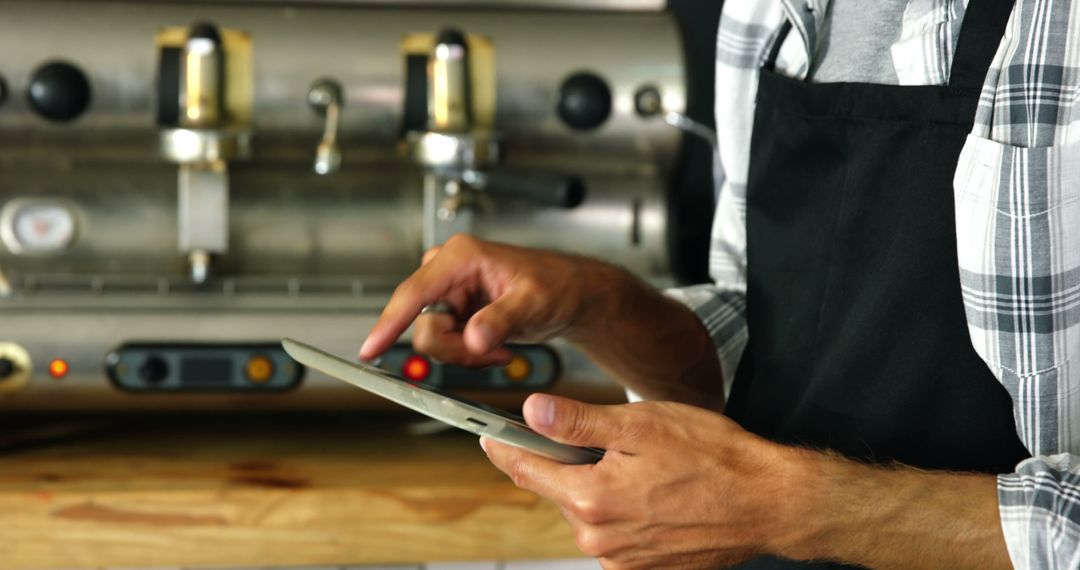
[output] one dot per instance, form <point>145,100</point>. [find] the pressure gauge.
<point>31,227</point>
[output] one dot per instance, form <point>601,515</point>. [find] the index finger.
<point>429,255</point>
<point>545,477</point>
<point>428,284</point>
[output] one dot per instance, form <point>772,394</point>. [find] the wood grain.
<point>260,490</point>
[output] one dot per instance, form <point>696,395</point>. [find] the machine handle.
<point>325,97</point>
<point>552,190</point>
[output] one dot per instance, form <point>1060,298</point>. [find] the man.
<point>896,308</point>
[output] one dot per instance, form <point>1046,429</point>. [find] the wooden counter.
<point>264,490</point>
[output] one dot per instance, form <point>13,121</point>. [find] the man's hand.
<point>682,487</point>
<point>679,487</point>
<point>498,293</point>
<point>501,293</point>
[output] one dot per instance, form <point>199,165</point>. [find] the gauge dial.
<point>38,227</point>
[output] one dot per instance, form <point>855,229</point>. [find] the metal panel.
<point>308,256</point>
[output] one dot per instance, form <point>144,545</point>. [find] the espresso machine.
<point>182,184</point>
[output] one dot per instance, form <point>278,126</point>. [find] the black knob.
<point>584,101</point>
<point>7,368</point>
<point>59,91</point>
<point>154,369</point>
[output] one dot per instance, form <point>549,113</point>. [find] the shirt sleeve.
<point>745,33</point>
<point>721,305</point>
<point>1040,512</point>
<point>1018,209</point>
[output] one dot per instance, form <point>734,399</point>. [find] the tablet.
<point>473,417</point>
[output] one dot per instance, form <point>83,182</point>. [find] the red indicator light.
<point>58,368</point>
<point>416,368</point>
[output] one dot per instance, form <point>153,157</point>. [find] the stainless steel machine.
<point>183,183</point>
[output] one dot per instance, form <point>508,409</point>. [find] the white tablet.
<point>474,417</point>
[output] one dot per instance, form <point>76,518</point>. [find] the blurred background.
<point>183,183</point>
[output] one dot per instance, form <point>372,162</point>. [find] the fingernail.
<point>363,347</point>
<point>546,417</point>
<point>483,443</point>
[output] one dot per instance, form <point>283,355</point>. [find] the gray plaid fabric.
<point>1017,190</point>
<point>1018,231</point>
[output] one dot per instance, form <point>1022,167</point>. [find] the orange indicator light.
<point>58,368</point>
<point>518,369</point>
<point>259,369</point>
<point>416,368</point>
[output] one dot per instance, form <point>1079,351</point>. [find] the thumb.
<point>577,423</point>
<point>493,325</point>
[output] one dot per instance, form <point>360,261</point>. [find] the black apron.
<point>858,340</point>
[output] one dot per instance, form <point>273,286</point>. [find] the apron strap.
<point>785,29</point>
<point>980,34</point>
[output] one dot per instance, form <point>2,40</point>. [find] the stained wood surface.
<point>182,490</point>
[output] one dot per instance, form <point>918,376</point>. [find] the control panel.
<point>532,367</point>
<point>203,368</point>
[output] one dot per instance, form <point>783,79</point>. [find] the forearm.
<point>893,517</point>
<point>653,345</point>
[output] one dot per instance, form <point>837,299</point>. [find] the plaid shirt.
<point>1017,191</point>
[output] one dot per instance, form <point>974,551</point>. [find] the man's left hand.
<point>679,486</point>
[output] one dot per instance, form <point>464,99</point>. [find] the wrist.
<point>837,509</point>
<point>809,517</point>
<point>652,344</point>
<point>605,292</point>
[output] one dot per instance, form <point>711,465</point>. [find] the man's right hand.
<point>502,293</point>
<point>498,293</point>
